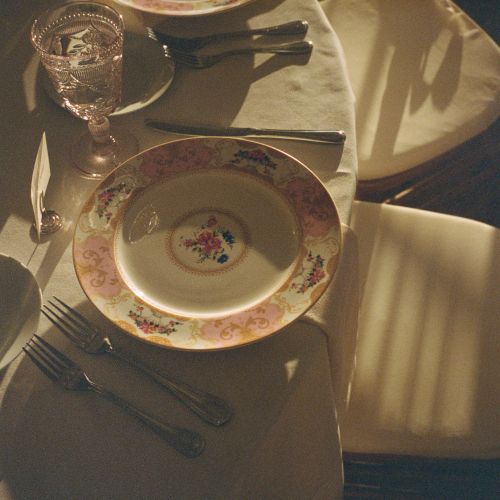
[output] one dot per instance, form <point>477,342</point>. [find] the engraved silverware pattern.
<point>59,368</point>
<point>195,43</point>
<point>85,335</point>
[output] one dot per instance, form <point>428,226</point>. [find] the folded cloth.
<point>336,315</point>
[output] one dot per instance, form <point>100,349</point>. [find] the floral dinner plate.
<point>183,7</point>
<point>207,243</point>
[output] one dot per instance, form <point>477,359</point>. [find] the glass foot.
<point>96,161</point>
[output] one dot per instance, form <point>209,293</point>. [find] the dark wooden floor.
<point>378,477</point>
<point>467,184</point>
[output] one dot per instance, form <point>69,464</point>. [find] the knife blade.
<point>328,136</point>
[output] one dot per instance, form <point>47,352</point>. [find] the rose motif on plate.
<point>150,322</point>
<point>312,273</point>
<point>207,241</point>
<point>257,158</point>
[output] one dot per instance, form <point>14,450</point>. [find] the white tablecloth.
<point>283,440</point>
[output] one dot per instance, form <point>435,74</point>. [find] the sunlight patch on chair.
<point>426,375</point>
<point>418,369</point>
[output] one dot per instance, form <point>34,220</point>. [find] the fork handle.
<point>291,28</point>
<point>210,408</point>
<point>304,47</point>
<point>185,441</point>
<point>331,136</point>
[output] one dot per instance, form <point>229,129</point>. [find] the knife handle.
<point>332,136</point>
<point>291,28</point>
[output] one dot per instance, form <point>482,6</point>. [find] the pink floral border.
<point>168,7</point>
<point>314,208</point>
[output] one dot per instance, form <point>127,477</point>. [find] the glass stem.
<point>100,130</point>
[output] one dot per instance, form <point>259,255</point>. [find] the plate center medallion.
<point>208,241</point>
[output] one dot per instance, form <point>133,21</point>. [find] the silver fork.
<point>194,43</point>
<point>86,336</point>
<point>200,61</point>
<point>59,368</point>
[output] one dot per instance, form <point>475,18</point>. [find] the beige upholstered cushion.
<point>425,76</point>
<point>426,378</point>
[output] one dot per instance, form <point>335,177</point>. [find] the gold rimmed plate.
<point>183,8</point>
<point>207,243</point>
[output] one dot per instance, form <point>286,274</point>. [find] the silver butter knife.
<point>329,136</point>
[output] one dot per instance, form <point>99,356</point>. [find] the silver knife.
<point>330,136</point>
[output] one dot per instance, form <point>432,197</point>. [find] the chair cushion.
<point>425,76</point>
<point>426,378</point>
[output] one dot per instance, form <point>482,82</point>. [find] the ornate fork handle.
<point>209,407</point>
<point>62,370</point>
<point>86,336</point>
<point>303,47</point>
<point>291,28</point>
<point>197,42</point>
<point>187,442</point>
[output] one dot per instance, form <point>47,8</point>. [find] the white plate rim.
<point>331,243</point>
<point>199,9</point>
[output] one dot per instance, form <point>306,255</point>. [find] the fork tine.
<point>76,314</point>
<point>79,328</point>
<point>44,368</point>
<point>184,44</point>
<point>184,57</point>
<point>46,357</point>
<point>51,352</point>
<point>151,34</point>
<point>64,326</point>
